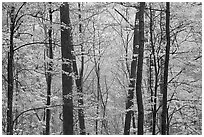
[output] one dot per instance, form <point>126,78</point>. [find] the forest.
<point>101,68</point>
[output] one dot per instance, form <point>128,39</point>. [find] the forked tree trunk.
<point>66,49</point>
<point>166,66</point>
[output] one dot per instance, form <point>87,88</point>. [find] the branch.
<point>27,44</point>
<point>19,10</point>
<point>124,18</point>
<point>176,75</point>
<point>137,7</point>
<point>198,57</point>
<point>34,110</point>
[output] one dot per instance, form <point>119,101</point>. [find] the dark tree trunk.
<point>10,75</point>
<point>139,70</point>
<point>48,74</point>
<point>153,63</point>
<point>97,70</point>
<point>133,122</point>
<point>66,49</point>
<point>80,83</point>
<point>98,99</point>
<point>166,65</point>
<point>129,103</point>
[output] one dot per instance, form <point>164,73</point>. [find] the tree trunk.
<point>10,76</point>
<point>153,64</point>
<point>97,70</point>
<point>80,85</point>
<point>129,103</point>
<point>139,70</point>
<point>133,122</point>
<point>49,75</point>
<point>166,65</point>
<point>66,49</point>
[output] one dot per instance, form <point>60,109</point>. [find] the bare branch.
<point>124,18</point>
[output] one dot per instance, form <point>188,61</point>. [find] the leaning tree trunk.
<point>166,65</point>
<point>10,75</point>
<point>66,49</point>
<point>139,71</point>
<point>130,96</point>
<point>49,74</point>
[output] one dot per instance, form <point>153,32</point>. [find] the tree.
<point>99,45</point>
<point>153,66</point>
<point>129,103</point>
<point>14,26</point>
<point>79,79</point>
<point>166,64</point>
<point>139,70</point>
<point>49,71</point>
<point>66,49</point>
<point>10,74</point>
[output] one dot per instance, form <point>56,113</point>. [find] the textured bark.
<point>131,89</point>
<point>80,82</point>
<point>66,49</point>
<point>48,74</point>
<point>139,71</point>
<point>10,75</point>
<point>166,66</point>
<point>133,122</point>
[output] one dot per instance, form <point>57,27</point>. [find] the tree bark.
<point>49,75</point>
<point>130,96</point>
<point>153,64</point>
<point>139,70</point>
<point>80,84</point>
<point>66,49</point>
<point>166,65</point>
<point>10,75</point>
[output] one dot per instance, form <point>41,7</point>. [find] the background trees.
<point>101,51</point>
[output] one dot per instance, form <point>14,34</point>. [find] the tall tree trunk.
<point>153,64</point>
<point>10,75</point>
<point>80,86</point>
<point>129,103</point>
<point>160,97</point>
<point>166,65</point>
<point>17,93</point>
<point>66,49</point>
<point>97,70</point>
<point>139,70</point>
<point>49,74</point>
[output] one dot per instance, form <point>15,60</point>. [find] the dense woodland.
<point>101,68</point>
